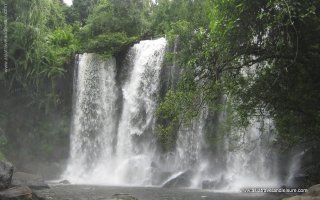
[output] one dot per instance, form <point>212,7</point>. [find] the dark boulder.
<point>18,193</point>
<point>6,171</point>
<point>35,182</point>
<point>122,196</point>
<point>179,181</point>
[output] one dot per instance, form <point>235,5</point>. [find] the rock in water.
<point>123,197</point>
<point>33,181</point>
<point>18,193</point>
<point>65,182</point>
<point>6,171</point>
<point>180,181</point>
<point>312,194</point>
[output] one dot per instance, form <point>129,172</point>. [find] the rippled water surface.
<point>84,192</point>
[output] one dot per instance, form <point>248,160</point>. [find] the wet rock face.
<point>6,171</point>
<point>18,193</point>
<point>33,181</point>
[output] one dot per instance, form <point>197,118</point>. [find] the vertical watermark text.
<point>5,37</point>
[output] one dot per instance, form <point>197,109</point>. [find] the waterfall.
<point>140,94</point>
<point>104,150</point>
<point>113,138</point>
<point>93,127</point>
<point>190,142</point>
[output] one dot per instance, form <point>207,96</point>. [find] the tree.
<point>81,9</point>
<point>114,25</point>
<point>273,40</point>
<point>258,53</point>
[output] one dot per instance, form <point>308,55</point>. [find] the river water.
<point>90,192</point>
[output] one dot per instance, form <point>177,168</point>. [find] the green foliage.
<point>173,112</point>
<point>35,57</point>
<point>197,85</point>
<point>166,13</point>
<point>80,10</point>
<point>63,45</point>
<point>114,25</point>
<point>270,42</point>
<point>40,46</point>
<point>261,54</point>
<point>110,44</point>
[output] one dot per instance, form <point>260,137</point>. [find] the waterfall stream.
<point>101,152</point>
<point>113,139</point>
<point>140,94</point>
<point>254,163</point>
<point>93,127</point>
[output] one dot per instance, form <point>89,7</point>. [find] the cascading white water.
<point>254,163</point>
<point>93,127</point>
<point>94,158</point>
<point>140,94</point>
<point>294,168</point>
<point>190,142</point>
